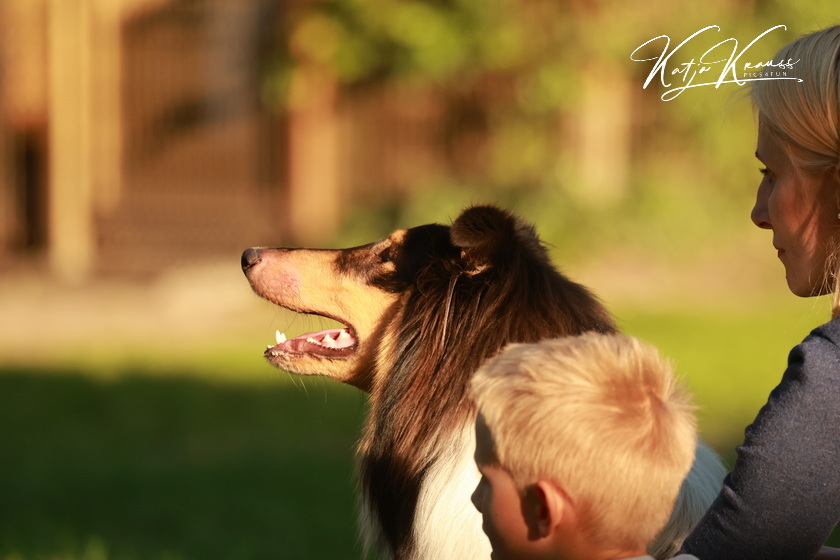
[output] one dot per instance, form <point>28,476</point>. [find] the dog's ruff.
<point>422,309</point>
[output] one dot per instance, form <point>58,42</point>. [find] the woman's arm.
<point>782,498</point>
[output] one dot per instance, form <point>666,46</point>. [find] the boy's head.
<point>583,444</point>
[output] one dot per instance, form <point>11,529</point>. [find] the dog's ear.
<point>488,236</point>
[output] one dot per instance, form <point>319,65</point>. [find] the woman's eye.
<point>766,174</point>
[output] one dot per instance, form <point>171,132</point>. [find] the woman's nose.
<point>759,215</point>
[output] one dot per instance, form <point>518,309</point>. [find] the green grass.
<point>174,468</point>
<point>203,456</point>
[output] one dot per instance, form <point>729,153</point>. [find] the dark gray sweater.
<point>782,498</point>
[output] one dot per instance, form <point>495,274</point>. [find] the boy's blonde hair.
<point>600,415</point>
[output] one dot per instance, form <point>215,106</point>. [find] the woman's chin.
<point>805,289</point>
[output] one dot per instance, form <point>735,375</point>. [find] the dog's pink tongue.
<point>321,342</point>
<point>331,338</point>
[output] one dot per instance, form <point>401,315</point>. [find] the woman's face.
<point>801,208</point>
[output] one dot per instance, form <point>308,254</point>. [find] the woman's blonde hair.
<point>600,415</point>
<point>805,115</point>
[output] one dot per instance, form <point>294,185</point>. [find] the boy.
<point>582,444</point>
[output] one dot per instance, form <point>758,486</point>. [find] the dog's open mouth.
<point>331,343</point>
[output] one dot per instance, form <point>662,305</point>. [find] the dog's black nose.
<point>249,258</point>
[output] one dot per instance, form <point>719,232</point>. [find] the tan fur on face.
<point>310,281</point>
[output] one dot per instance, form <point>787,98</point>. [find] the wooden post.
<point>313,193</point>
<point>106,104</point>
<point>603,140</point>
<point>23,138</point>
<point>70,237</point>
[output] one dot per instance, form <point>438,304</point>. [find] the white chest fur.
<point>447,525</point>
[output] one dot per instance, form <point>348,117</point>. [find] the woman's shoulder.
<point>825,336</point>
<point>832,326</point>
<point>816,360</point>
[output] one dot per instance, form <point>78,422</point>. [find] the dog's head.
<point>357,287</point>
<point>486,252</point>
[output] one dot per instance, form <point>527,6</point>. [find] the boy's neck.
<point>601,554</point>
<point>577,547</point>
<point>625,554</point>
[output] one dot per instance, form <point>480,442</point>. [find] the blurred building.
<point>131,133</point>
<point>140,134</point>
<point>134,136</point>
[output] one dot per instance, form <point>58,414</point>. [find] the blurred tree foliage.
<point>375,40</point>
<point>534,68</point>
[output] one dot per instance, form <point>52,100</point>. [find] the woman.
<point>782,498</point>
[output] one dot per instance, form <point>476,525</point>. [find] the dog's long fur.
<point>425,307</point>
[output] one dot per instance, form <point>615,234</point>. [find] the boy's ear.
<point>548,507</point>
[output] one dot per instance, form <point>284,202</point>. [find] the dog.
<point>421,310</point>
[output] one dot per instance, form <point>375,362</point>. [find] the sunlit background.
<point>145,143</point>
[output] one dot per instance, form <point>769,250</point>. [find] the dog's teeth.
<point>279,337</point>
<point>328,341</point>
<point>312,340</point>
<point>343,335</point>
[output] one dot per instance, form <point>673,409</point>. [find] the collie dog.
<point>421,310</point>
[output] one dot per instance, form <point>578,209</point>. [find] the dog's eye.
<point>385,255</point>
